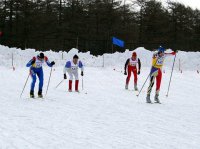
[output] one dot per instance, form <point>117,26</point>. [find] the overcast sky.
<point>192,3</point>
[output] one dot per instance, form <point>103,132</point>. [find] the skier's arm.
<point>68,64</point>
<point>64,70</point>
<point>67,67</point>
<point>139,65</point>
<point>31,62</point>
<point>154,59</point>
<point>126,64</point>
<point>50,64</point>
<point>80,65</point>
<point>170,54</point>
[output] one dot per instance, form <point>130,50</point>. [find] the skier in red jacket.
<point>132,63</point>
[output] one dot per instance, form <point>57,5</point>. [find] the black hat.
<point>41,55</point>
<point>75,57</point>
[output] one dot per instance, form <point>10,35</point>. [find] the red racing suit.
<point>132,67</point>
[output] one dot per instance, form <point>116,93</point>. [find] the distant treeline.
<point>64,24</point>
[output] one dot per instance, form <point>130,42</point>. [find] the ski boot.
<point>156,99</point>
<point>32,94</point>
<point>126,86</point>
<point>40,94</point>
<point>148,100</point>
<point>135,87</point>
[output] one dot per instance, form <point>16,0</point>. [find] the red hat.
<point>134,54</point>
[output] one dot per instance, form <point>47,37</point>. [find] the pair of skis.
<point>47,84</point>
<point>63,81</point>
<point>136,91</point>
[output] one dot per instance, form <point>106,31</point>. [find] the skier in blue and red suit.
<point>35,65</point>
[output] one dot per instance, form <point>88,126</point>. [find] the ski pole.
<point>82,83</point>
<point>48,82</point>
<point>24,85</point>
<point>143,85</point>
<point>60,83</point>
<point>118,70</point>
<point>171,76</point>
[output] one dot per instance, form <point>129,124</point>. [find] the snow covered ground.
<point>103,116</point>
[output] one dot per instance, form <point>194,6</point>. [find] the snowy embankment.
<point>184,61</point>
<point>104,115</point>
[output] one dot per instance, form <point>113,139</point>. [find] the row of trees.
<point>63,24</point>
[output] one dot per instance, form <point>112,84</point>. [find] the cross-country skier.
<point>35,65</point>
<point>156,72</point>
<point>71,68</point>
<point>132,63</point>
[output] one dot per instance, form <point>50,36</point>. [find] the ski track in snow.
<point>102,116</point>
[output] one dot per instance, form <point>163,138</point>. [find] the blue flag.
<point>118,42</point>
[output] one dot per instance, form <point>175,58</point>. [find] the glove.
<point>65,76</point>
<point>52,63</point>
<point>138,72</point>
<point>82,73</point>
<point>125,73</point>
<point>33,61</point>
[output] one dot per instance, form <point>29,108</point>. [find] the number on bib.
<point>160,61</point>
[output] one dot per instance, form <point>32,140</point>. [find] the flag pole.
<point>77,40</point>
<point>112,48</point>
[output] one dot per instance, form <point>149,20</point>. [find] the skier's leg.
<point>33,76</point>
<point>158,83</point>
<point>128,77</point>
<point>70,81</point>
<point>152,80</point>
<point>135,79</point>
<point>33,85</point>
<point>40,75</point>
<point>77,80</point>
<point>70,86</point>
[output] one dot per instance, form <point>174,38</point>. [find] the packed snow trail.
<point>102,116</point>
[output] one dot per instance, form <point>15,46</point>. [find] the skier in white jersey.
<point>71,68</point>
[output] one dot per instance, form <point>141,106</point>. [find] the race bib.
<point>160,61</point>
<point>133,62</point>
<point>39,63</point>
<point>74,67</point>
